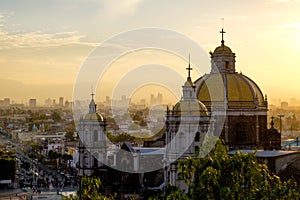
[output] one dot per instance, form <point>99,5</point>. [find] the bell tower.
<point>222,59</point>
<point>92,144</point>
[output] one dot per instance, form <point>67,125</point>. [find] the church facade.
<point>222,103</point>
<point>92,144</point>
<point>186,123</point>
<point>234,100</point>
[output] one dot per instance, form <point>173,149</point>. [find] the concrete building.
<point>92,144</point>
<point>32,103</point>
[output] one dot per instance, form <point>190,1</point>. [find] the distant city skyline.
<point>280,102</point>
<point>41,53</point>
<point>150,100</point>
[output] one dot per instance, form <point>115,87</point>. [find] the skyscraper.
<point>61,101</point>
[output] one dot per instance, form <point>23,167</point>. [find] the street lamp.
<point>280,116</point>
<point>57,182</point>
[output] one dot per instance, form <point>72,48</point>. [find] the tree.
<point>123,137</point>
<point>90,188</point>
<point>56,116</point>
<point>69,136</point>
<point>217,175</point>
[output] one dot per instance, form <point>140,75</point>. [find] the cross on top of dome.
<point>222,32</point>
<point>92,106</point>
<point>92,94</point>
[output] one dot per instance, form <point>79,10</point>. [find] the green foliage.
<point>123,137</point>
<point>171,193</point>
<point>70,129</point>
<point>138,116</point>
<point>56,116</point>
<point>221,176</point>
<point>2,125</point>
<point>90,189</point>
<point>36,147</point>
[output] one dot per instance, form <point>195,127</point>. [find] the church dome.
<point>94,117</point>
<point>229,90</point>
<point>222,49</point>
<point>224,88</point>
<point>189,104</point>
<point>190,107</point>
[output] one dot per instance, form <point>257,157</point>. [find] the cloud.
<point>10,40</point>
<point>1,20</point>
<point>39,39</point>
<point>117,8</point>
<point>35,39</point>
<point>295,25</point>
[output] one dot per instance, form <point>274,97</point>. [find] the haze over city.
<point>44,43</point>
<point>148,99</point>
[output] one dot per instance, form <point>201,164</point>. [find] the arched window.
<point>85,160</point>
<point>95,164</point>
<point>227,65</point>
<point>197,137</point>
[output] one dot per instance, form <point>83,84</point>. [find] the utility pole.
<point>280,116</point>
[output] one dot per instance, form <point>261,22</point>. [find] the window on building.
<point>227,64</point>
<point>197,137</point>
<point>95,136</point>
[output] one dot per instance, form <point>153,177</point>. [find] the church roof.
<point>236,89</point>
<point>189,104</point>
<point>265,153</point>
<point>188,82</point>
<point>226,88</point>
<point>93,117</point>
<point>190,107</point>
<point>222,49</point>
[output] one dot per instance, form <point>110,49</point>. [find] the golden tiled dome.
<point>93,117</point>
<point>237,90</point>
<point>190,107</point>
<point>222,49</point>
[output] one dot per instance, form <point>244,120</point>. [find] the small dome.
<point>222,49</point>
<point>93,117</point>
<point>190,107</point>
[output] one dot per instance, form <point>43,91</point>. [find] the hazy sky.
<point>44,43</point>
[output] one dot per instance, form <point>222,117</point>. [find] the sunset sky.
<point>43,44</point>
